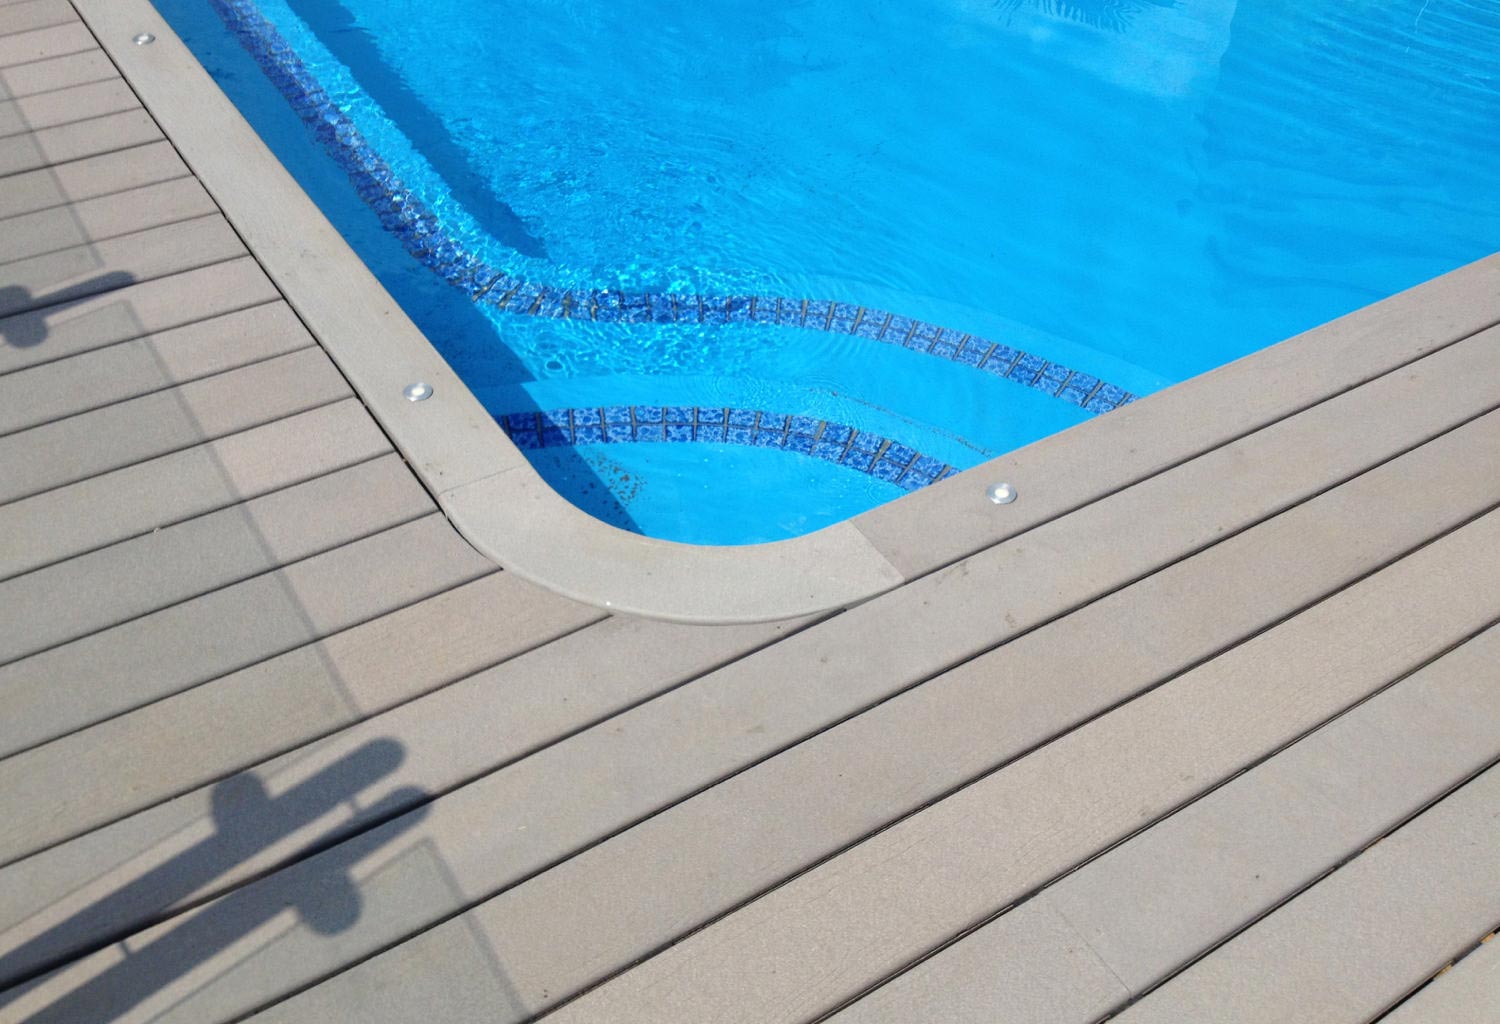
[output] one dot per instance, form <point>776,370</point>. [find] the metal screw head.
<point>145,38</point>
<point>1001,494</point>
<point>418,392</point>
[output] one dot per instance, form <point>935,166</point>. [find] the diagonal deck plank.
<point>43,43</point>
<point>65,106</point>
<point>130,312</point>
<point>108,673</point>
<point>828,935</point>
<point>1413,902</point>
<point>1468,994</point>
<point>90,178</point>
<point>1151,905</point>
<point>557,933</point>
<point>84,270</point>
<point>165,567</point>
<point>34,14</point>
<point>842,666</point>
<point>106,217</point>
<point>129,369</point>
<point>76,141</point>
<point>20,81</point>
<point>40,531</point>
<point>93,443</point>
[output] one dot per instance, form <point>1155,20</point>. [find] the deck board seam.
<point>196,443</point>
<point>1026,752</point>
<point>353,538</point>
<point>146,332</point>
<point>168,221</point>
<point>1478,944</point>
<point>206,512</point>
<point>94,156</point>
<point>470,904</point>
<point>167,386</point>
<point>74,124</point>
<point>61,88</point>
<point>217,213</point>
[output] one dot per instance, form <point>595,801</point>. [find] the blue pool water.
<point>933,230</point>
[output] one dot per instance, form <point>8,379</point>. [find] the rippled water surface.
<point>1140,190</point>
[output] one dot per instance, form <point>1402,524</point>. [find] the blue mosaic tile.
<point>634,309</point>
<point>1026,369</point>
<point>860,460</point>
<point>1052,378</point>
<point>742,417</point>
<point>926,465</point>
<point>898,329</point>
<point>738,309</point>
<point>769,439</point>
<point>973,352</point>
<point>650,432</point>
<point>816,316</point>
<point>836,432</point>
<point>525,439</point>
<point>804,425</point>
<point>710,432</point>
<point>648,414</point>
<point>618,433</point>
<point>586,417</point>
<point>679,432</point>
<point>520,421</point>
<point>866,442</point>
<point>560,418</point>
<point>1084,382</point>
<point>521,299</point>
<point>790,312</point>
<point>774,421</point>
<point>718,417</point>
<point>899,453</point>
<point>739,435</point>
<point>712,309</point>
<point>552,437</point>
<point>1074,394</point>
<point>799,443</point>
<point>922,336</point>
<point>887,470</point>
<point>608,306</point>
<point>679,413</point>
<point>943,349</point>
<point>588,435</point>
<point>617,414</point>
<point>828,450</point>
<point>1111,394</point>
<point>1099,404</point>
<point>663,309</point>
<point>872,324</point>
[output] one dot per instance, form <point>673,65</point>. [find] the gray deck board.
<point>35,14</point>
<point>108,673</point>
<point>110,216</point>
<point>1467,994</point>
<point>83,270</point>
<point>76,141</point>
<point>93,443</point>
<point>823,938</point>
<point>65,106</point>
<point>44,529</point>
<point>643,760</point>
<point>1148,907</point>
<point>42,43</point>
<point>134,311</point>
<point>1348,948</point>
<point>164,567</point>
<point>89,178</point>
<point>128,369</point>
<point>57,73</point>
<point>275,730</point>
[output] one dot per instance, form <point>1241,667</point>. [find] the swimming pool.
<point>731,274</point>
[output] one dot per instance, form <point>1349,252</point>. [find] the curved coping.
<point>481,480</point>
<point>425,237</point>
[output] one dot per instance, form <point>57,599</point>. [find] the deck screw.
<point>1001,494</point>
<point>418,392</point>
<point>143,39</point>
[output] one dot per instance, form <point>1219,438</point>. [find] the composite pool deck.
<point>1205,727</point>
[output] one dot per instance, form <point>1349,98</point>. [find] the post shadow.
<point>23,314</point>
<point>247,821</point>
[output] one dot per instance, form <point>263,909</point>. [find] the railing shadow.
<point>23,314</point>
<point>248,821</point>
